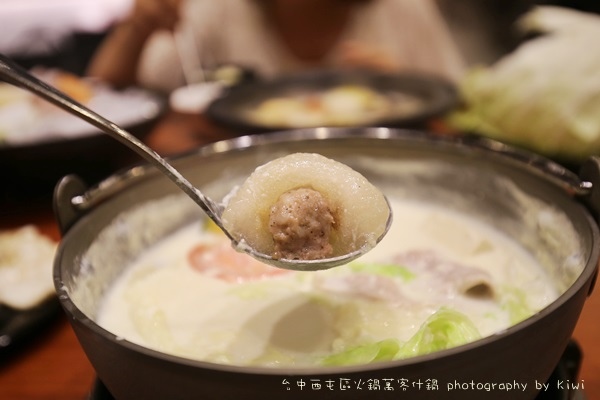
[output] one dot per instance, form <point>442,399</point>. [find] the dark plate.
<point>33,168</point>
<point>19,327</point>
<point>438,96</point>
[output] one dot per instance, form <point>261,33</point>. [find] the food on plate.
<point>75,87</point>
<point>347,104</point>
<point>72,85</point>
<point>306,206</point>
<point>544,96</point>
<point>26,258</point>
<point>437,280</point>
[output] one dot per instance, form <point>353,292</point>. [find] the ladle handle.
<point>14,74</point>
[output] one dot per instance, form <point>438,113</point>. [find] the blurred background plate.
<point>236,107</point>
<point>35,155</point>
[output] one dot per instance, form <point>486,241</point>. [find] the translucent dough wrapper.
<point>360,208</point>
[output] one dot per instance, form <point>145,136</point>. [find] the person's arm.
<point>117,59</point>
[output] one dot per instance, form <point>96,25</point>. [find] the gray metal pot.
<point>547,208</point>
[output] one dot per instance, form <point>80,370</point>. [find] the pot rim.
<point>532,163</point>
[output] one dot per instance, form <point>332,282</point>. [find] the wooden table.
<point>54,367</point>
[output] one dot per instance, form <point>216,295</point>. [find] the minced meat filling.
<point>301,222</point>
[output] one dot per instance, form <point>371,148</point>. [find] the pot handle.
<point>590,172</point>
<point>65,212</point>
<point>73,198</point>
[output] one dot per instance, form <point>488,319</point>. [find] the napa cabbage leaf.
<point>444,329</point>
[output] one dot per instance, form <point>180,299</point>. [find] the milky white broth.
<point>299,318</point>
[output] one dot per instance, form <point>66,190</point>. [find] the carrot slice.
<point>223,262</point>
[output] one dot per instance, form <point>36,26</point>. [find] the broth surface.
<point>437,280</point>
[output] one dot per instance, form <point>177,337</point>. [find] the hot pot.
<point>549,209</point>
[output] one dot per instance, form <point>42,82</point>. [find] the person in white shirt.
<point>274,37</point>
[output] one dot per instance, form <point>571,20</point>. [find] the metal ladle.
<point>12,73</point>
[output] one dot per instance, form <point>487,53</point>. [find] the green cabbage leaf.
<point>384,350</point>
<point>444,329</point>
<point>388,270</point>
